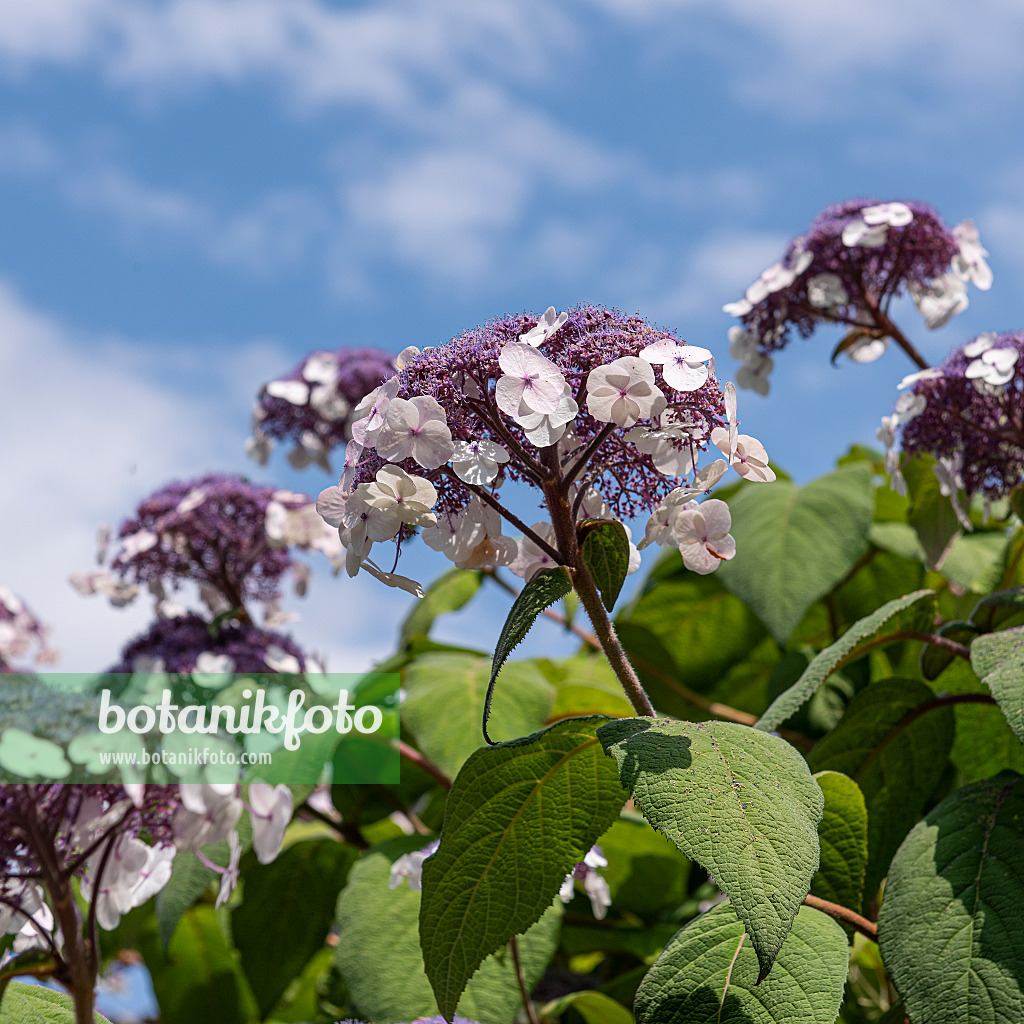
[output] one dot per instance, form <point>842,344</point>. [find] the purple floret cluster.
<point>913,254</point>
<point>461,374</point>
<point>210,531</point>
<point>976,426</point>
<point>177,643</point>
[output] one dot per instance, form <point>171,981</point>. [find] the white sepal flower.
<point>476,462</point>
<point>229,876</point>
<point>623,391</point>
<point>896,215</point>
<point>321,368</point>
<point>950,481</point>
<point>868,236</point>
<point>270,810</point>
<point>826,291</point>
<point>397,493</point>
<point>683,365</point>
<point>661,527</point>
<point>943,298</point>
<point>393,579</point>
<point>932,373</point>
<point>995,367</point>
<point>330,505</point>
<point>416,428</point>
<point>774,279</point>
<point>549,322</point>
<point>294,392</point>
<point>969,264</point>
<point>531,557</point>
<point>409,867</point>
<point>703,536</point>
<point>369,415</point>
<point>530,379</point>
<point>545,429</point>
<point>867,349</point>
<point>741,307</point>
<point>406,356</point>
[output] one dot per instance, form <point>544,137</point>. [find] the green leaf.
<point>36,963</point>
<point>740,802</point>
<point>448,593</point>
<point>594,1007</point>
<point>794,544</point>
<point>190,878</point>
<point>33,1004</point>
<point>585,685</point>
<point>930,514</point>
<point>975,561</point>
<point>709,973</point>
<point>540,592</point>
<point>518,818</point>
<point>998,660</point>
<point>380,959</point>
<point>843,835</point>
<point>197,979</point>
<point>458,683</point>
<point>950,924</point>
<point>699,624</point>
<point>901,613</point>
<point>935,660</point>
<point>286,912</point>
<point>604,548</point>
<point>896,759</point>
<point>991,611</point>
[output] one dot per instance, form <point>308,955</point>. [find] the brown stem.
<point>413,755</point>
<point>844,916</point>
<point>531,1014</point>
<point>883,321</point>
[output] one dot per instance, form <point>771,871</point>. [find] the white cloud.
<point>90,426</point>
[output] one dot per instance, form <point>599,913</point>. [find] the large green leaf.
<point>998,659</point>
<point>518,818</point>
<point>902,613</point>
<point>794,544</point>
<point>197,980</point>
<point>286,912</point>
<point>843,835</point>
<point>541,591</point>
<point>930,513</point>
<point>708,974</point>
<point>33,1004</point>
<point>950,924</point>
<point>897,761</point>
<point>190,878</point>
<point>444,704</point>
<point>740,802</point>
<point>604,548</point>
<point>699,623</point>
<point>448,593</point>
<point>594,1007</point>
<point>380,959</point>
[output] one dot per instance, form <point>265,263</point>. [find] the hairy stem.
<point>531,1014</point>
<point>413,755</point>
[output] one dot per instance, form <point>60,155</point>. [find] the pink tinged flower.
<point>995,366</point>
<point>270,810</point>
<point>969,264</point>
<point>395,492</point>
<point>682,365</point>
<point>774,279</point>
<point>393,579</point>
<point>940,300</point>
<point>191,501</point>
<point>531,557</point>
<point>368,416</point>
<point>417,429</point>
<point>330,505</point>
<point>826,291</point>
<point>661,527</point>
<point>135,543</point>
<point>530,379</point>
<point>748,458</point>
<point>623,392</point>
<point>321,368</point>
<point>703,536</point>
<point>545,429</point>
<point>328,403</point>
<point>476,462</point>
<point>293,391</point>
<point>350,466</point>
<point>208,812</point>
<point>546,326</point>
<point>409,867</point>
<point>909,405</point>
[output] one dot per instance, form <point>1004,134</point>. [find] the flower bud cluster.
<point>312,406</point>
<point>603,405</point>
<point>855,258</point>
<point>969,414</point>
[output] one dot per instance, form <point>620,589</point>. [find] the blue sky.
<point>196,193</point>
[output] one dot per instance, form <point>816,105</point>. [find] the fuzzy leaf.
<point>903,612</point>
<point>605,551</point>
<point>519,817</point>
<point>542,591</point>
<point>998,660</point>
<point>950,925</point>
<point>843,835</point>
<point>740,802</point>
<point>448,593</point>
<point>708,973</point>
<point>33,1004</point>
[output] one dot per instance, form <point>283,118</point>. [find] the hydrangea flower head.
<point>967,413</point>
<point>855,258</point>
<point>20,631</point>
<point>313,405</point>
